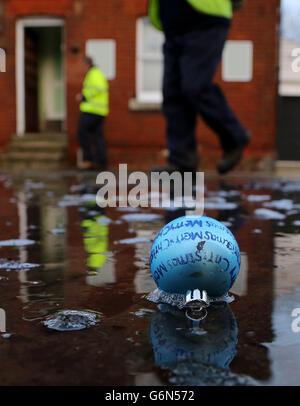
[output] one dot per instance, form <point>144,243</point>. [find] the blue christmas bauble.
<point>195,252</point>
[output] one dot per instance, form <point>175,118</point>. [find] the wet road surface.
<point>60,252</point>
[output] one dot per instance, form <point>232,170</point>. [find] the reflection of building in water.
<point>53,235</point>
<point>254,308</point>
<point>286,264</point>
<point>2,321</point>
<point>240,285</point>
<point>284,350</point>
<point>143,280</point>
<point>147,379</point>
<point>195,355</point>
<point>44,222</point>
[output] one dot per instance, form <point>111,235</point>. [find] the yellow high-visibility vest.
<point>218,8</point>
<point>95,92</point>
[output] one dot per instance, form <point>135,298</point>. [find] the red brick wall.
<point>7,81</point>
<point>131,132</point>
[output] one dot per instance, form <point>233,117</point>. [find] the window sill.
<point>136,105</point>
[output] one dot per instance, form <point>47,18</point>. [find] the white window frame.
<point>20,62</point>
<point>142,95</point>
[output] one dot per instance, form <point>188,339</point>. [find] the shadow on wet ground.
<point>59,251</point>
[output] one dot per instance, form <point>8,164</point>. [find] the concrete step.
<point>36,146</point>
<point>37,156</point>
<point>36,151</point>
<point>288,169</point>
<point>37,137</point>
<point>35,165</point>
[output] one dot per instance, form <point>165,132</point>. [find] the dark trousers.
<point>190,62</point>
<point>90,128</point>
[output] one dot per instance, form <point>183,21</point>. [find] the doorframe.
<point>20,62</point>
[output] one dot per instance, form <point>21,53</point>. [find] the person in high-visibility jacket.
<point>195,34</point>
<point>94,107</point>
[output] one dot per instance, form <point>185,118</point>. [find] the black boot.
<point>232,157</point>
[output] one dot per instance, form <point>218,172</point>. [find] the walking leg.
<point>180,115</point>
<point>101,143</point>
<point>83,137</point>
<point>202,52</point>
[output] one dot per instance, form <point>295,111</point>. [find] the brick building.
<point>44,41</point>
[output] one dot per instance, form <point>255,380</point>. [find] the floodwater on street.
<point>61,254</point>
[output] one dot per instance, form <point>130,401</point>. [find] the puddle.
<point>60,252</point>
<point>6,264</point>
<point>258,198</point>
<point>16,243</point>
<point>140,217</point>
<point>57,231</point>
<point>284,204</point>
<point>219,203</point>
<point>137,240</point>
<point>268,214</point>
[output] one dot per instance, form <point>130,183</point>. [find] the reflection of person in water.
<point>95,237</point>
<point>199,353</point>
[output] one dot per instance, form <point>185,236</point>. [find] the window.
<point>237,64</point>
<point>149,62</point>
<point>103,52</point>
